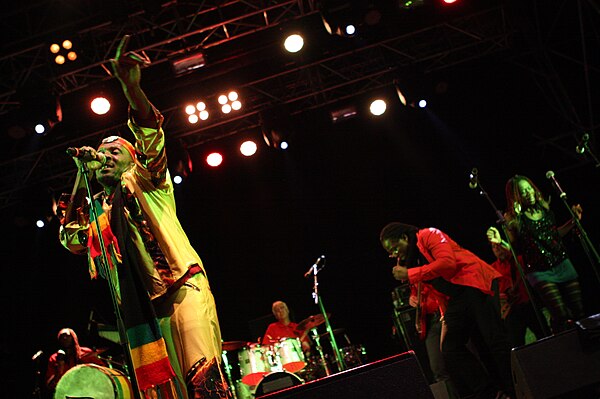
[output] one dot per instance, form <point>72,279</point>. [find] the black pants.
<point>471,311</point>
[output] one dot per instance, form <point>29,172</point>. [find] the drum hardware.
<point>319,348</point>
<point>336,331</point>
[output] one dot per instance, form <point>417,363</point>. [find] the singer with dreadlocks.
<point>431,256</point>
<point>169,312</point>
<point>533,232</point>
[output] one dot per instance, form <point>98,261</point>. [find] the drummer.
<point>284,328</point>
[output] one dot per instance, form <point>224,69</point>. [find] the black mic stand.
<point>585,148</point>
<point>502,222</point>
<point>587,245</point>
<point>113,291</point>
<point>319,301</point>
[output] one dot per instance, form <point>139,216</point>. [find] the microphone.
<point>85,155</point>
<point>473,178</point>
<point>320,260</point>
<point>37,355</point>
<point>581,146</point>
<point>61,355</point>
<point>550,176</point>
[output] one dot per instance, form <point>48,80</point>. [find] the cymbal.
<point>311,322</point>
<point>97,351</point>
<point>336,331</point>
<point>233,345</point>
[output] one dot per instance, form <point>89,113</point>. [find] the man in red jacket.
<point>429,255</point>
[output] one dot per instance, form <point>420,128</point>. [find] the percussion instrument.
<point>254,363</point>
<point>93,381</point>
<point>290,355</point>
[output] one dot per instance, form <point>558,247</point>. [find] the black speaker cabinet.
<point>557,366</point>
<point>396,377</point>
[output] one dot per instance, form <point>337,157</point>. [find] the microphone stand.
<point>502,222</point>
<point>585,148</point>
<point>112,289</point>
<point>586,243</point>
<point>319,301</point>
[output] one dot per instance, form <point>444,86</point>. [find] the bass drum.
<point>93,381</point>
<point>277,381</point>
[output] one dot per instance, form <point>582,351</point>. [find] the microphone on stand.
<point>473,178</point>
<point>320,260</point>
<point>37,355</point>
<point>581,146</point>
<point>550,176</point>
<point>85,155</point>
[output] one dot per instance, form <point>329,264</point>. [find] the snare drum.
<point>290,354</point>
<point>254,363</point>
<point>93,381</point>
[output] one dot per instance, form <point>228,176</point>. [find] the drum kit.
<point>283,364</point>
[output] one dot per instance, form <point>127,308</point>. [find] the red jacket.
<point>451,262</point>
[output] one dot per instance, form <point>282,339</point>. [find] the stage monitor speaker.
<point>557,366</point>
<point>396,377</point>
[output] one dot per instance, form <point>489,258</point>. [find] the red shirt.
<point>450,261</point>
<point>278,330</point>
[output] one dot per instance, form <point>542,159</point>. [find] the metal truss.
<point>337,75</point>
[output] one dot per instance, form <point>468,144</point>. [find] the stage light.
<point>378,107</point>
<point>229,102</point>
<point>214,159</point>
<point>350,30</point>
<point>196,112</point>
<point>40,128</point>
<point>177,179</point>
<point>276,126</point>
<point>293,43</point>
<point>40,223</point>
<point>66,49</point>
<point>422,103</point>
<point>188,63</point>
<point>100,105</point>
<point>449,1</point>
<point>343,113</point>
<point>284,145</point>
<point>248,148</point>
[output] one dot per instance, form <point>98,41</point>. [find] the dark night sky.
<point>259,223</point>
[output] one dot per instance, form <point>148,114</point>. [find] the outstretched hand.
<point>126,65</point>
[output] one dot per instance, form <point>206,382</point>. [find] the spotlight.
<point>293,43</point>
<point>378,107</point>
<point>229,102</point>
<point>100,105</point>
<point>40,128</point>
<point>40,223</point>
<point>214,159</point>
<point>422,103</point>
<point>248,148</point>
<point>276,127</point>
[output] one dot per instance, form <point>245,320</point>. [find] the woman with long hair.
<point>533,231</point>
